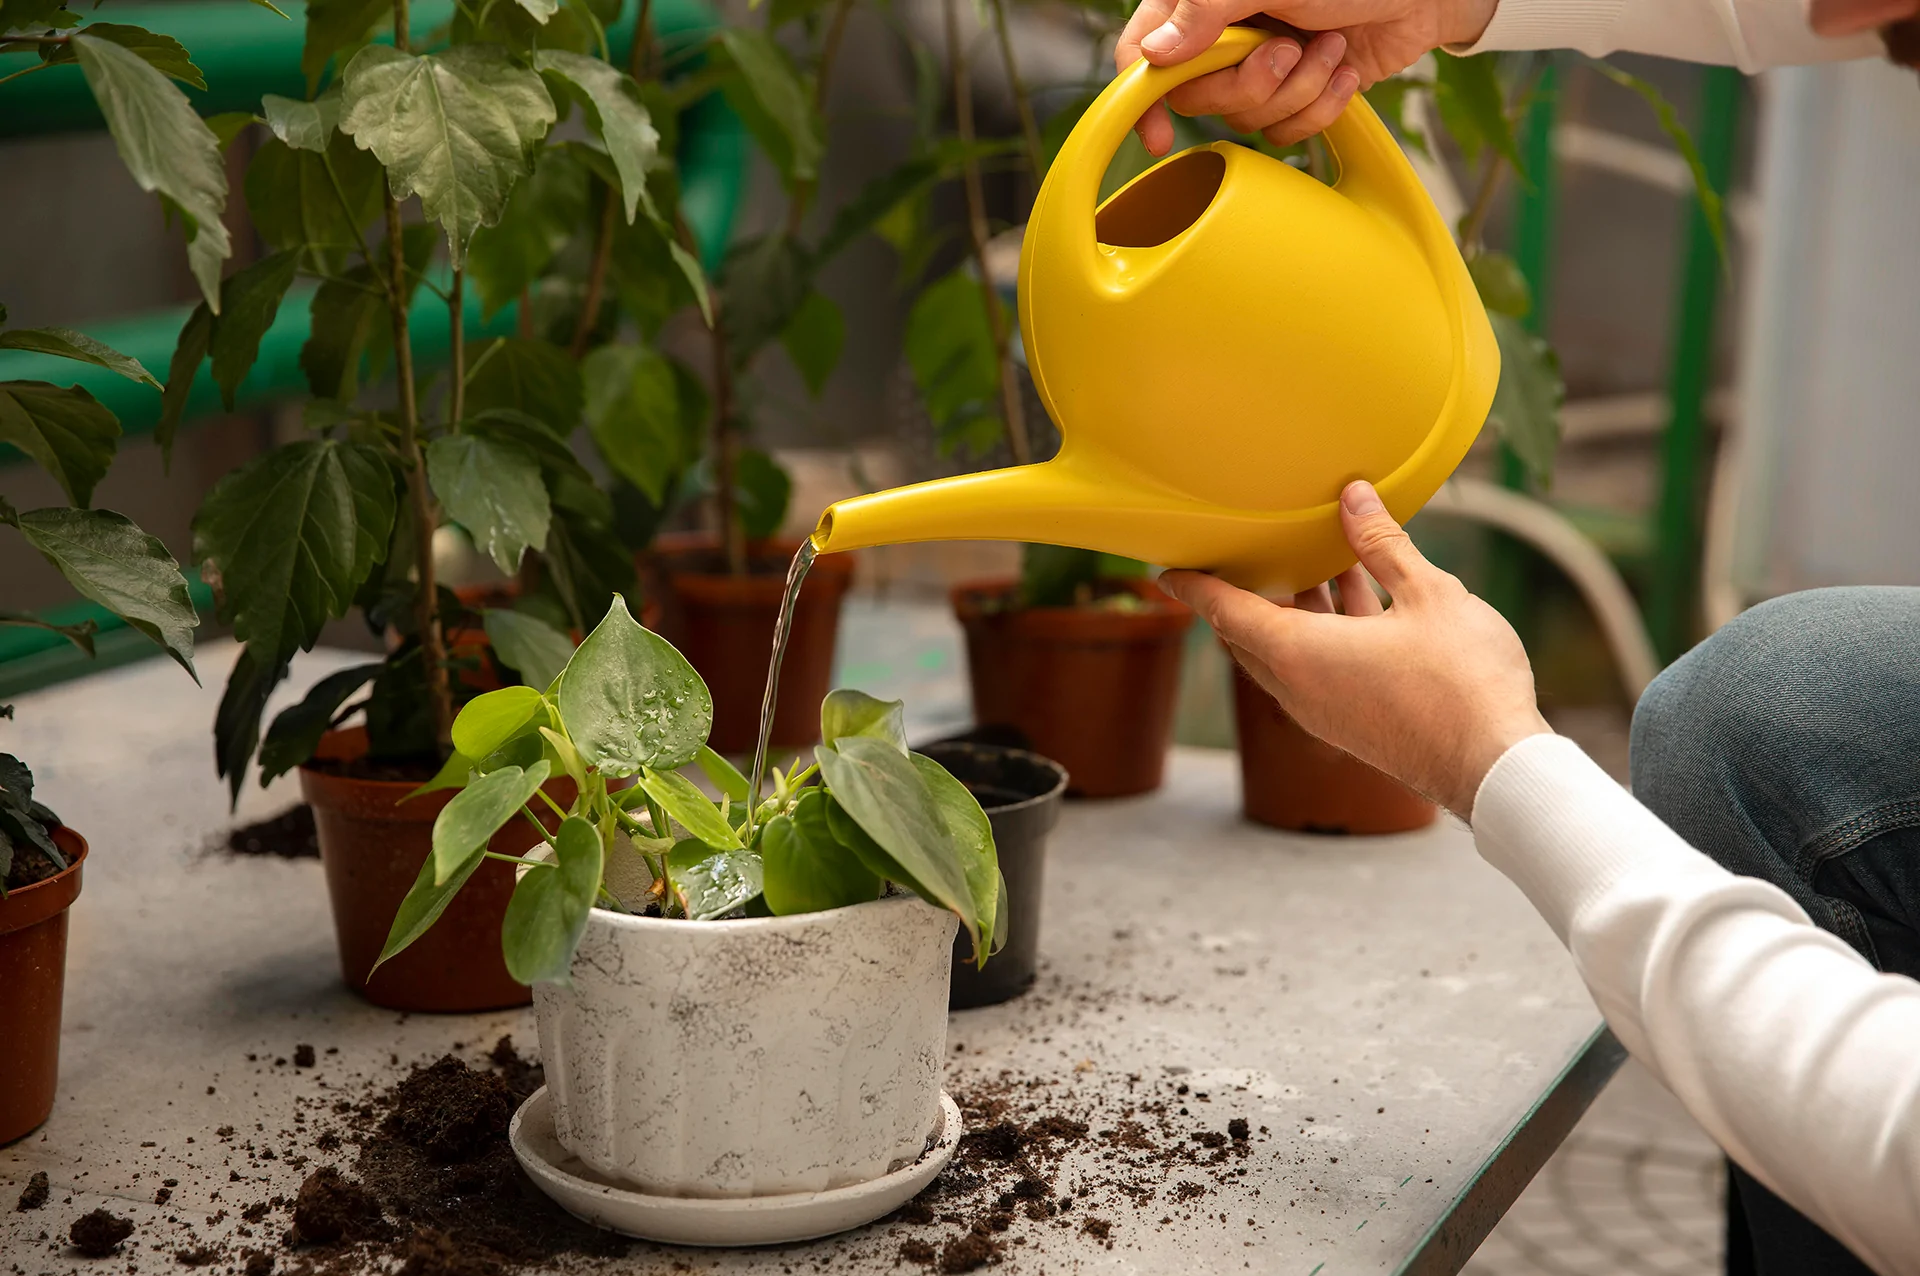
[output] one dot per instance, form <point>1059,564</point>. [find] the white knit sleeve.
<point>1799,1058</point>
<point>1749,34</point>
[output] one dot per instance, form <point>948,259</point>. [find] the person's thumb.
<point>1383,545</point>
<point>1191,29</point>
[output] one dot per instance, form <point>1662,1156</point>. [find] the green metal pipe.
<point>246,51</point>
<point>1670,604</point>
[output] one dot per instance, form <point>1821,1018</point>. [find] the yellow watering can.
<point>1224,344</point>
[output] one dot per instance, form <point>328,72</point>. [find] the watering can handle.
<point>1373,171</point>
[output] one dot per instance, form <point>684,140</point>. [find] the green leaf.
<point>165,147</point>
<point>1526,403</point>
<point>534,377</point>
<point>112,562</point>
<point>304,126</point>
<point>249,300</point>
<point>162,52</point>
<point>722,774</point>
<point>762,285</point>
<point>1473,106</point>
<point>426,899</point>
<point>228,125</point>
<point>949,346</point>
<point>1502,287</point>
<point>689,807</point>
<point>289,536</point>
<point>528,645</point>
<point>634,410</point>
<point>814,339</point>
<point>80,635</point>
<point>188,352</point>
<point>1389,98</point>
<point>628,700</point>
<point>542,214</point>
<point>236,724</point>
<point>846,712</point>
<point>476,813</point>
<point>65,431</point>
<point>540,10</point>
<point>65,343</point>
<point>587,562</point>
<point>494,491</point>
<point>805,868</point>
<point>762,491</point>
<point>455,128</point>
<point>453,774</point>
<point>296,202</point>
<point>296,732</point>
<point>888,797</point>
<point>548,911</point>
<point>712,883</point>
<point>350,325</point>
<point>16,784</point>
<point>972,838</point>
<point>488,721</point>
<point>610,100</point>
<point>767,94</point>
<point>1711,206</point>
<point>35,16</point>
<point>1057,575</point>
<point>335,25</point>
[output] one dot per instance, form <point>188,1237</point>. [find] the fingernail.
<point>1163,39</point>
<point>1360,498</point>
<point>1334,47</point>
<point>1345,82</point>
<point>1285,56</point>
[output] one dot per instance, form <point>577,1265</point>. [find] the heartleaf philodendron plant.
<point>867,813</point>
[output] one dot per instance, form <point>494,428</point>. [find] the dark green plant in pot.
<point>867,814</point>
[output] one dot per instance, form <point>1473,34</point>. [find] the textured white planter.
<point>755,1057</point>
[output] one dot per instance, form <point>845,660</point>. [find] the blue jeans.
<point>1787,747</point>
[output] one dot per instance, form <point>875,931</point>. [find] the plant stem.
<point>518,859</point>
<point>733,537</point>
<point>641,49</point>
<point>1012,410</point>
<point>38,66</point>
<point>1482,207</point>
<point>457,331</point>
<point>596,273</point>
<point>1029,127</point>
<point>823,76</point>
<point>557,809</point>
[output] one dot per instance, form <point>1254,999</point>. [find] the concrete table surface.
<point>1410,1034</point>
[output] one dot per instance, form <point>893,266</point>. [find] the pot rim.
<point>745,925</point>
<point>1061,778</point>
<point>22,907</point>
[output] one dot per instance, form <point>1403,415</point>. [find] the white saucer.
<point>747,1220</point>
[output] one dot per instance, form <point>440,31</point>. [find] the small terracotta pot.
<point>33,976</point>
<point>1089,687</point>
<point>372,846</point>
<point>723,624</point>
<point>1291,780</point>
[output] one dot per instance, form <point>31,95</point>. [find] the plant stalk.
<point>596,273</point>
<point>1011,407</point>
<point>457,334</point>
<point>1029,127</point>
<point>822,77</point>
<point>733,537</point>
<point>1482,207</point>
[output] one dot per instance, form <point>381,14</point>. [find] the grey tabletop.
<point>1404,1039</point>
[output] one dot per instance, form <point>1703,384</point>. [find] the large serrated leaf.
<point>65,343</point>
<point>111,561</point>
<point>296,202</point>
<point>542,214</point>
<point>236,724</point>
<point>610,100</point>
<point>526,375</point>
<point>162,52</point>
<point>548,911</point>
<point>290,536</point>
<point>305,126</point>
<point>165,146</point>
<point>189,351</point>
<point>493,490</point>
<point>455,128</point>
<point>628,700</point>
<point>65,430</point>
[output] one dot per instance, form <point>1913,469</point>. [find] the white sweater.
<point>1749,34</point>
<point>1800,1059</point>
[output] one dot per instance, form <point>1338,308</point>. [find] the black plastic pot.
<point>1021,793</point>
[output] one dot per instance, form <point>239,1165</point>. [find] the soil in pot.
<point>1291,780</point>
<point>1021,793</point>
<point>33,971</point>
<point>724,625</point>
<point>372,845</point>
<point>1091,687</point>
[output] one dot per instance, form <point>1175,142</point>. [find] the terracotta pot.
<point>723,624</point>
<point>1089,687</point>
<point>372,847</point>
<point>33,976</point>
<point>1291,780</point>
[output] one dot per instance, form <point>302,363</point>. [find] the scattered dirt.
<point>34,1194</point>
<point>200,1256</point>
<point>303,1056</point>
<point>970,1253</point>
<point>99,1233</point>
<point>289,835</point>
<point>523,1076</point>
<point>450,1112</point>
<point>331,1207</point>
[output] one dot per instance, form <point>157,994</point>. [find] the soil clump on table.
<point>34,1194</point>
<point>98,1234</point>
<point>289,835</point>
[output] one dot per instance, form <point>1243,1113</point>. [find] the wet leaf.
<point>494,490</point>
<point>712,883</point>
<point>629,701</point>
<point>477,812</point>
<point>690,808</point>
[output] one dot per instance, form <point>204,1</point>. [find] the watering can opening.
<point>1161,202</point>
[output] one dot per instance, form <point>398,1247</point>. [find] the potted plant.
<point>790,954</point>
<point>584,235</point>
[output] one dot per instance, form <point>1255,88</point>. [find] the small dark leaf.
<point>296,732</point>
<point>228,125</point>
<point>112,562</point>
<point>762,491</point>
<point>249,300</point>
<point>188,353</point>
<point>66,431</point>
<point>80,635</point>
<point>334,25</point>
<point>530,376</point>
<point>65,343</point>
<point>16,784</point>
<point>236,726</point>
<point>1502,287</point>
<point>297,204</point>
<point>814,338</point>
<point>588,563</point>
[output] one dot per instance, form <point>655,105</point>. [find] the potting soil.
<point>289,835</point>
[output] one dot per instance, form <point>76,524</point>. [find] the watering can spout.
<point>1024,503</point>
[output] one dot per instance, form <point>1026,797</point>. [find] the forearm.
<point>1749,34</point>
<point>1793,1053</point>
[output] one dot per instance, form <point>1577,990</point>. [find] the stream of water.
<point>782,630</point>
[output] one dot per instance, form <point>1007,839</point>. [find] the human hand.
<point>1833,18</point>
<point>1431,690</point>
<point>1294,86</point>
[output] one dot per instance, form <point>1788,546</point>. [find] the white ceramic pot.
<point>754,1057</point>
